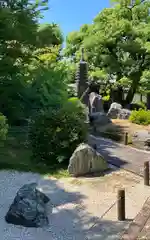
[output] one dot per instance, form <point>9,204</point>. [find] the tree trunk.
<point>148,101</point>
<point>133,88</point>
<point>117,95</point>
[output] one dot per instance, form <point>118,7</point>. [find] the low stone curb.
<point>138,223</point>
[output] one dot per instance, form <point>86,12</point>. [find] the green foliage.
<point>18,33</point>
<point>117,46</point>
<point>15,154</point>
<point>22,63</point>
<point>141,105</point>
<point>55,133</point>
<point>48,90</point>
<point>49,35</point>
<point>106,103</point>
<point>47,80</point>
<point>137,106</point>
<point>71,68</point>
<point>3,127</point>
<point>106,98</point>
<point>141,117</point>
<point>72,91</point>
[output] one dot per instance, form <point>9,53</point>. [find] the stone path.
<point>132,160</point>
<point>140,227</point>
<point>120,155</point>
<point>145,233</point>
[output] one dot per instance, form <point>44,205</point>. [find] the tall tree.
<point>118,43</point>
<point>18,33</point>
<point>49,34</point>
<point>18,28</point>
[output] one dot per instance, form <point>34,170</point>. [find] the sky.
<point>71,14</point>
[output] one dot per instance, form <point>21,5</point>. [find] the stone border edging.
<point>138,223</point>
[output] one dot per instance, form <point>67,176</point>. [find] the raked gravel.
<point>78,205</point>
<point>63,222</point>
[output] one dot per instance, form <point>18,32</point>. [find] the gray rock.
<point>99,119</point>
<point>84,160</point>
<point>124,114</point>
<point>114,111</point>
<point>141,139</point>
<point>116,105</point>
<point>95,103</point>
<point>29,207</point>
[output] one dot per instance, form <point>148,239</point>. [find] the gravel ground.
<point>78,205</point>
<point>66,221</point>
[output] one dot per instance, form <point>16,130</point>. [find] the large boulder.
<point>29,207</point>
<point>141,139</point>
<point>116,111</point>
<point>99,119</point>
<point>95,103</point>
<point>85,159</point>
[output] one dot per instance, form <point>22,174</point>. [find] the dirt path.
<point>122,156</point>
<point>126,125</point>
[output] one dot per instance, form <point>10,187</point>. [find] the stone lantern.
<point>82,79</point>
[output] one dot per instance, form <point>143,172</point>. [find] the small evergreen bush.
<point>141,117</point>
<point>55,133</point>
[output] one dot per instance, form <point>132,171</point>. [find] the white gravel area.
<point>65,222</point>
<point>78,204</point>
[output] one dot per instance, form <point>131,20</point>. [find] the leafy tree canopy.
<point>25,49</point>
<point>117,45</point>
<point>49,34</point>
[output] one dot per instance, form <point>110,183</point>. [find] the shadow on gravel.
<point>78,227</point>
<point>58,195</point>
<point>70,218</point>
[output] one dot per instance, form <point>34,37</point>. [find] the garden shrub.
<point>106,98</point>
<point>71,90</point>
<point>55,133</point>
<point>137,106</point>
<point>142,105</point>
<point>141,117</point>
<point>3,127</point>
